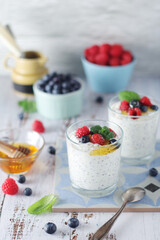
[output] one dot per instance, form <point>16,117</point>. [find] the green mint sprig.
<point>96,129</point>
<point>104,131</point>
<point>44,204</point>
<point>29,106</point>
<point>128,96</point>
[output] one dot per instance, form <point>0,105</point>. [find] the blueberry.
<point>57,91</point>
<point>143,108</point>
<point>51,83</point>
<point>21,116</point>
<point>153,172</point>
<point>68,76</point>
<point>64,91</point>
<point>85,139</point>
<point>77,86</point>
<point>66,85</point>
<point>57,86</point>
<point>52,75</point>
<point>134,104</point>
<point>73,222</point>
<point>27,191</point>
<point>21,179</point>
<point>112,140</point>
<point>91,132</point>
<point>48,89</point>
<point>50,228</point>
<point>52,150</point>
<point>46,78</point>
<point>99,99</point>
<point>154,107</point>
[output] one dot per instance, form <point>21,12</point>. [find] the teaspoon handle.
<point>103,231</point>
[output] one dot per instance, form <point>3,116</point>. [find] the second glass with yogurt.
<point>139,132</point>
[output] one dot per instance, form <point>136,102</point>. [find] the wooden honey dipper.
<point>12,151</point>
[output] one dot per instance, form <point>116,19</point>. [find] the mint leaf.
<point>43,204</point>
<point>128,96</point>
<point>110,135</point>
<point>106,133</point>
<point>28,106</point>
<point>96,128</point>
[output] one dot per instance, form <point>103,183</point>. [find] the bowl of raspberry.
<point>108,68</point>
<point>59,96</point>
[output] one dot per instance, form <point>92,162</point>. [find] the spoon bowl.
<point>133,194</point>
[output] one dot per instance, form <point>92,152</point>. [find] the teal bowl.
<point>59,106</point>
<point>107,79</point>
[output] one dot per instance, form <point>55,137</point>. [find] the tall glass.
<point>94,169</point>
<point>139,133</point>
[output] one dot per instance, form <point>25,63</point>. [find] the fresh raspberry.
<point>94,50</point>
<point>145,101</point>
<point>124,106</point>
<point>91,58</point>
<point>38,126</point>
<point>137,111</point>
<point>101,59</point>
<point>126,55</point>
<point>131,112</point>
<point>9,186</point>
<point>116,50</point>
<point>113,132</point>
<point>86,52</point>
<point>124,62</point>
<point>104,48</point>
<point>134,112</point>
<point>82,131</point>
<point>97,138</point>
<point>114,61</point>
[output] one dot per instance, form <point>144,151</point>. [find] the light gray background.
<point>61,29</point>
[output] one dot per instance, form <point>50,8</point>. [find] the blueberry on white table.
<point>50,228</point>
<point>21,179</point>
<point>73,222</point>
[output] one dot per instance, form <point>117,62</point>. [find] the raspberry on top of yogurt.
<point>102,136</point>
<point>134,105</point>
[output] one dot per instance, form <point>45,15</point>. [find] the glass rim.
<point>94,120</point>
<point>133,117</point>
<point>26,157</point>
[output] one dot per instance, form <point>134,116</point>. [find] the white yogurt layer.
<point>91,172</point>
<point>139,134</point>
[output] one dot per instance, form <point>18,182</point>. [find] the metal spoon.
<point>131,195</point>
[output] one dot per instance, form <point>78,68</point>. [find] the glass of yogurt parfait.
<point>138,116</point>
<point>94,149</point>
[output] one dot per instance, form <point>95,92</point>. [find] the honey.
<point>18,165</point>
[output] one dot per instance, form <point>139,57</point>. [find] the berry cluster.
<point>10,186</point>
<point>96,135</point>
<point>137,107</point>
<point>110,55</point>
<point>55,83</point>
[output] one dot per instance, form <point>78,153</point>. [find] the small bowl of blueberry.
<point>59,96</point>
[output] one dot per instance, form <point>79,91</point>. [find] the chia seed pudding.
<point>139,131</point>
<point>93,167</point>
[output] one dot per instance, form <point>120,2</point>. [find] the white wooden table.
<point>16,223</point>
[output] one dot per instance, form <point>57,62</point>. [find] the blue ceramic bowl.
<point>106,79</point>
<point>59,106</point>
